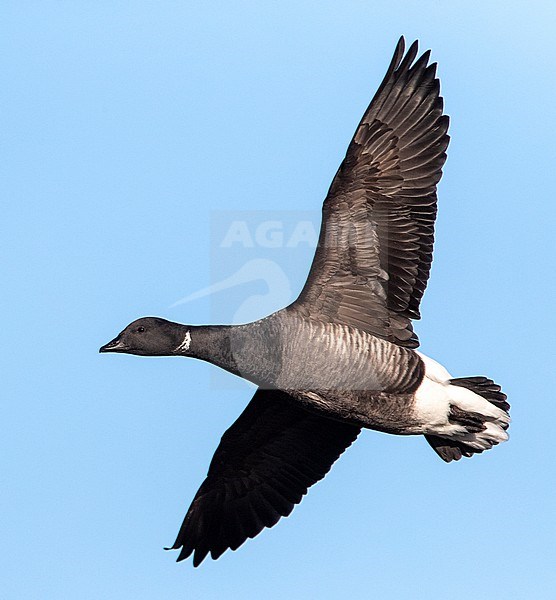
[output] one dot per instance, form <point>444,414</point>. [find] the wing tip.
<point>199,556</point>
<point>400,46</point>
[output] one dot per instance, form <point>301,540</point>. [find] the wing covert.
<point>375,247</point>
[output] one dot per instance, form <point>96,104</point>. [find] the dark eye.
<point>140,329</point>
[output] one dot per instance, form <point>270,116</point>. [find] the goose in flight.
<point>343,356</point>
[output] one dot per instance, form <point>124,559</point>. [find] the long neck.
<point>211,343</point>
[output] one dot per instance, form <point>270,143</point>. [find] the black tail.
<point>450,450</point>
<point>486,388</point>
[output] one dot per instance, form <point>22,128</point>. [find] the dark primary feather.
<point>370,271</point>
<point>375,248</point>
<point>262,467</point>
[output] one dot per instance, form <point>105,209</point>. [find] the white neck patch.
<point>184,346</point>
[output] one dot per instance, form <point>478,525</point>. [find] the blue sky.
<point>128,130</point>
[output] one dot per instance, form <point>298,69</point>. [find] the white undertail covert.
<point>434,399</point>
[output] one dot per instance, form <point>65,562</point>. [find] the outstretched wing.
<point>262,467</point>
<point>375,248</point>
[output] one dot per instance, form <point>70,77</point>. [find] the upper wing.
<point>375,248</point>
<point>262,467</point>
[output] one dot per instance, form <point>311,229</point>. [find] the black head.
<point>149,336</point>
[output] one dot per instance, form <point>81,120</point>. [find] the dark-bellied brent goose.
<point>342,357</point>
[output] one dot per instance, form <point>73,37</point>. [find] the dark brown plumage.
<point>370,271</point>
<point>375,247</point>
<point>341,356</point>
<point>263,466</point>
